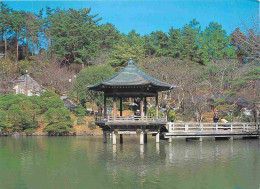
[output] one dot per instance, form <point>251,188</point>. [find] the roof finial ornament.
<point>131,62</point>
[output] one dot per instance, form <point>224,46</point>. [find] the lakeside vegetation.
<point>56,45</point>
<point>20,113</point>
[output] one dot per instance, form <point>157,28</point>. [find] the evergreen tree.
<point>190,40</point>
<point>4,23</point>
<point>215,44</point>
<point>18,26</point>
<point>175,43</point>
<point>160,42</point>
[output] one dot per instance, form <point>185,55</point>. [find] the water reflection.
<point>85,162</point>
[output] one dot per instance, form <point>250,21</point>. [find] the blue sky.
<point>147,16</point>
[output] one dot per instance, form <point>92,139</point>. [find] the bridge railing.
<point>110,118</point>
<point>204,127</point>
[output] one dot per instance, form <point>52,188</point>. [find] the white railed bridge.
<point>217,130</point>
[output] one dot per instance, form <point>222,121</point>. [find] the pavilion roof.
<point>131,76</point>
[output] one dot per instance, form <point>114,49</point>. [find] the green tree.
<point>50,100</point>
<point>23,115</point>
<point>190,38</point>
<point>130,46</point>
<point>108,36</point>
<point>215,44</point>
<point>59,120</point>
<point>4,124</point>
<point>90,76</point>
<point>17,26</point>
<point>175,43</point>
<point>4,23</point>
<point>74,35</point>
<point>160,42</point>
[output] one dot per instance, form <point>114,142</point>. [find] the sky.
<point>146,16</point>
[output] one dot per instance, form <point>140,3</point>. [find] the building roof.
<point>131,76</point>
<point>30,81</point>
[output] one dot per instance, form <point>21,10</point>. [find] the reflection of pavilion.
<point>131,83</point>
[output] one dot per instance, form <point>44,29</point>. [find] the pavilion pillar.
<point>105,107</point>
<point>142,108</point>
<point>121,138</point>
<point>114,108</point>
<point>145,106</point>
<point>142,138</point>
<point>114,138</point>
<point>104,137</point>
<point>145,137</point>
<point>156,106</point>
<point>121,107</point>
<point>158,137</point>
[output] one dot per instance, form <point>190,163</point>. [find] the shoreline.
<point>46,134</point>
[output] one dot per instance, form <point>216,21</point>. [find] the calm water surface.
<point>85,162</point>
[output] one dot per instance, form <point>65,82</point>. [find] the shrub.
<point>59,120</point>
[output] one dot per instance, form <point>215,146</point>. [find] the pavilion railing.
<point>218,127</point>
<point>110,118</point>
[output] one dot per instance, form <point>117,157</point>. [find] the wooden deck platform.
<point>130,123</point>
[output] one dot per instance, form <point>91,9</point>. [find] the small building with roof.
<point>131,82</point>
<point>28,86</point>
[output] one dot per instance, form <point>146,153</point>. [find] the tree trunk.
<point>5,46</point>
<point>32,49</point>
<point>17,47</point>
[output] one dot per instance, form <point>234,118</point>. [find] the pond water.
<point>85,162</point>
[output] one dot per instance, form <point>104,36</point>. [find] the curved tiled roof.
<point>131,76</point>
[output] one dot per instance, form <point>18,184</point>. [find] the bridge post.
<point>104,137</point>
<point>145,137</point>
<point>186,127</point>
<point>158,137</point>
<point>216,126</point>
<point>142,138</point>
<point>201,127</point>
<point>231,127</point>
<point>121,138</point>
<point>114,138</point>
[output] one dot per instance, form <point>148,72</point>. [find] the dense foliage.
<point>91,76</point>
<point>20,113</point>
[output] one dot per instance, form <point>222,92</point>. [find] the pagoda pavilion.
<point>131,82</point>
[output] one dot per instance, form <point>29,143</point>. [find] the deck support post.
<point>156,106</point>
<point>121,109</point>
<point>114,108</point>
<point>121,138</point>
<point>114,138</point>
<point>170,140</point>
<point>142,151</point>
<point>145,137</point>
<point>142,138</point>
<point>104,137</point>
<point>158,137</point>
